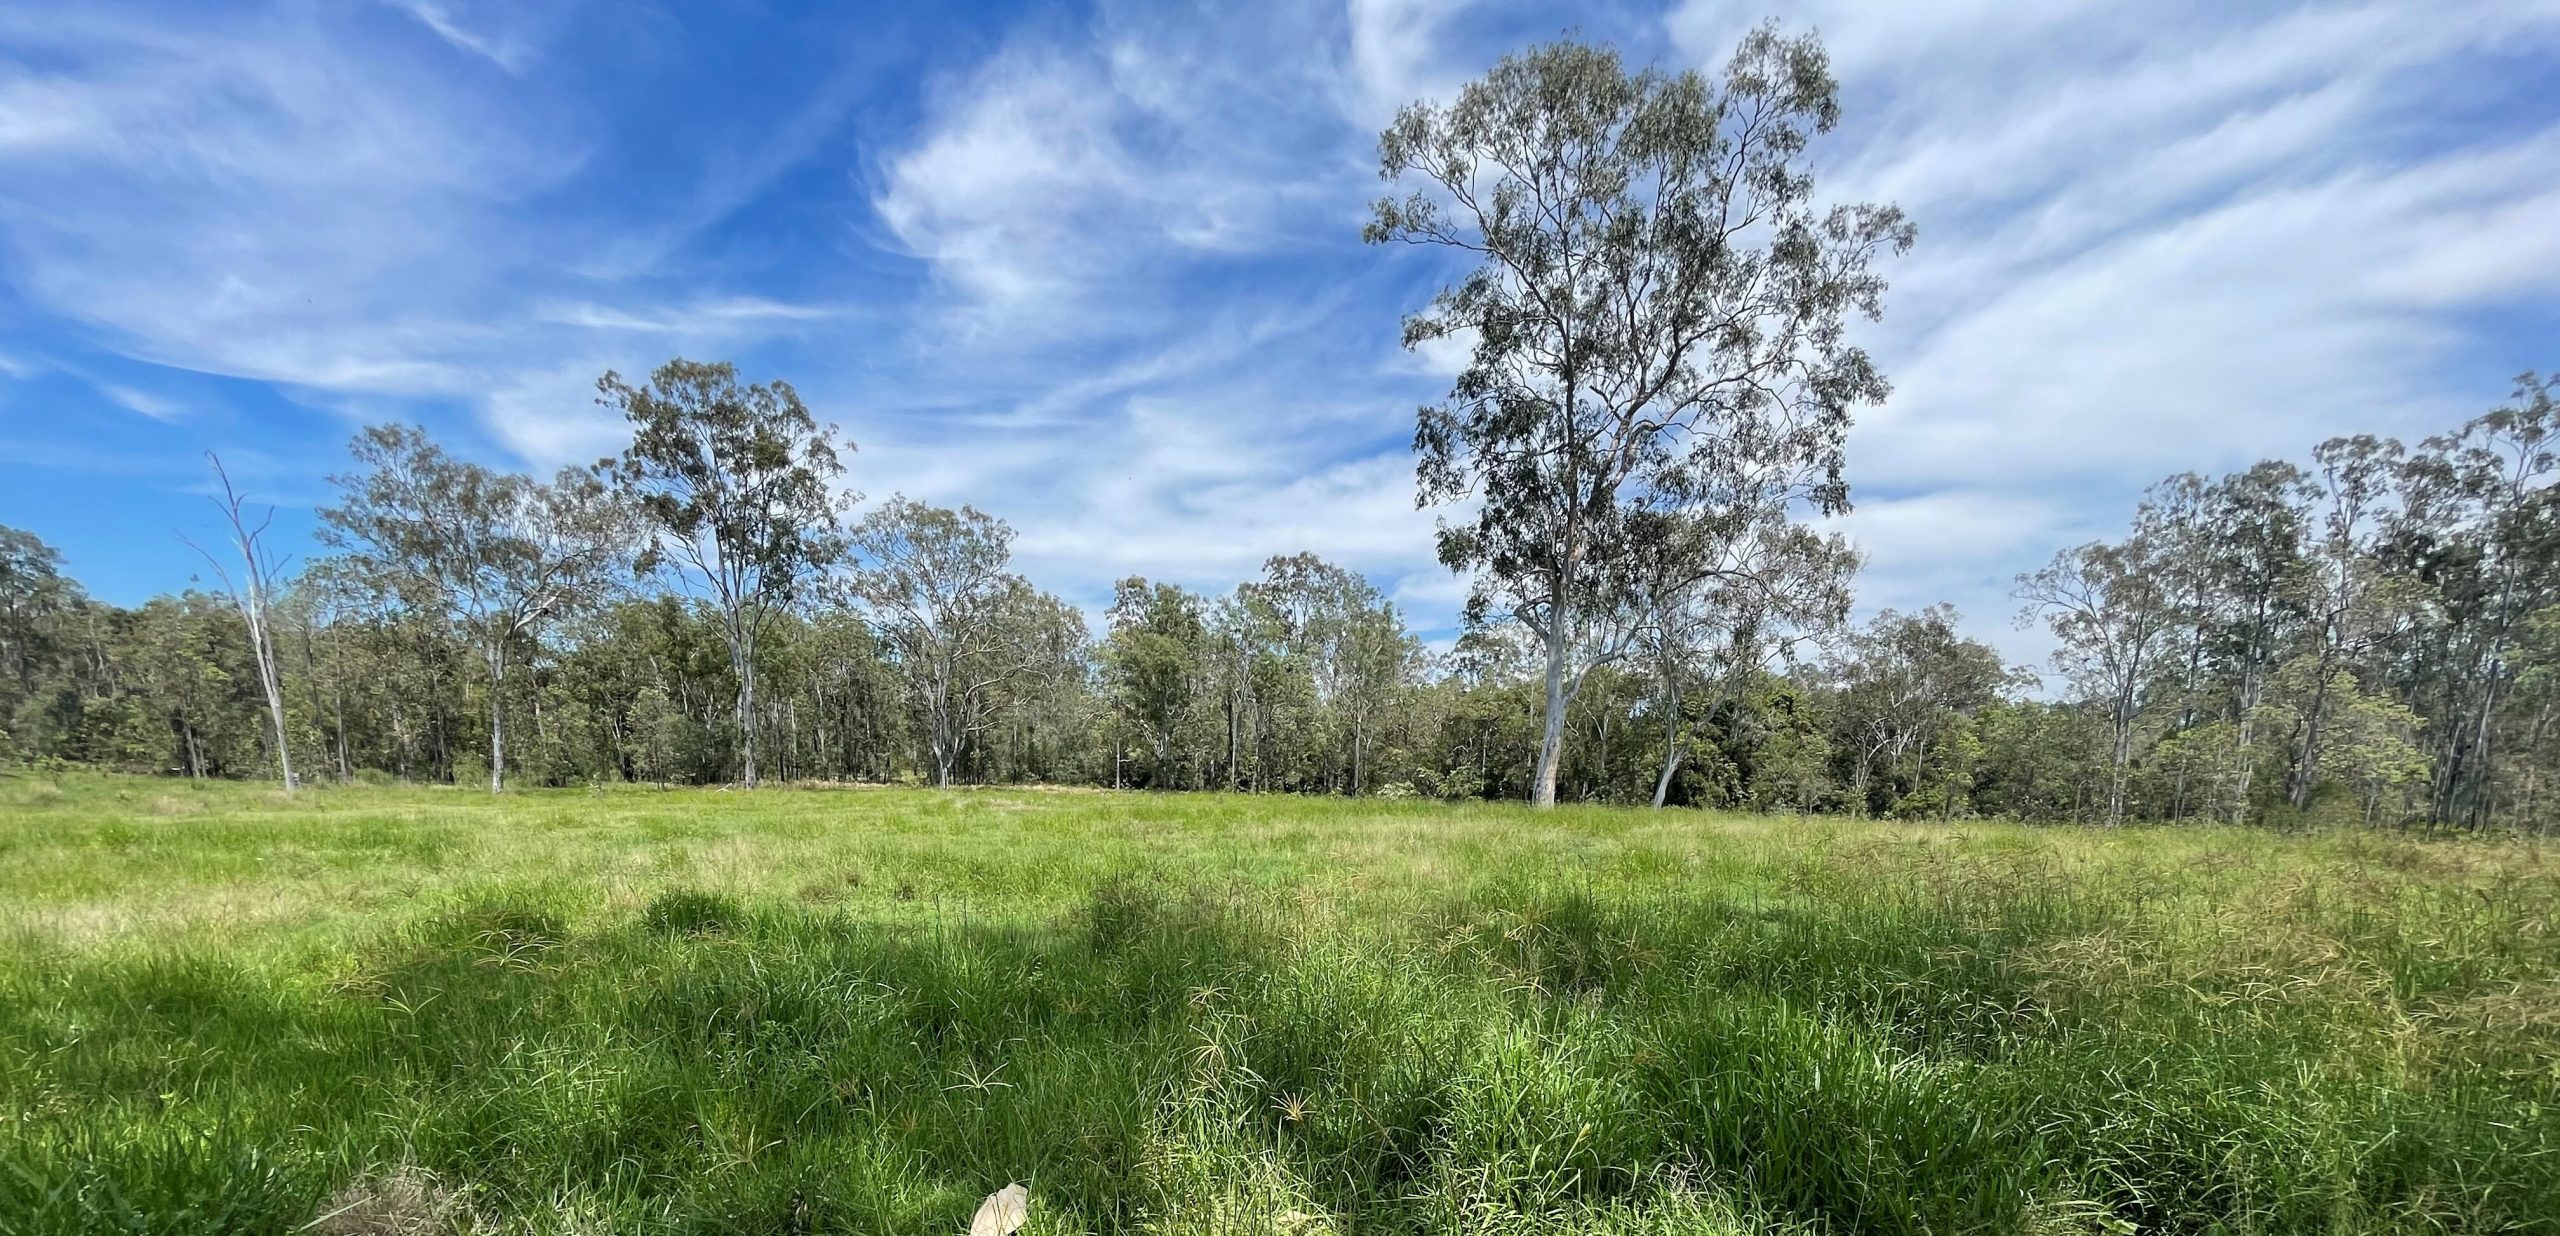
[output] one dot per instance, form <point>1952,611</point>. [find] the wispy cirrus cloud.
<point>2166,239</point>
<point>157,407</point>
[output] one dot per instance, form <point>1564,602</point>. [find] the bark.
<point>1670,740</point>
<point>256,611</point>
<point>2306,768</point>
<point>497,719</point>
<point>1551,742</point>
<point>742,659</point>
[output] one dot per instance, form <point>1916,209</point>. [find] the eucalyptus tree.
<point>2351,598</point>
<point>252,592</point>
<point>1233,646</point>
<point>1380,662</point>
<point>34,593</point>
<point>1151,663</point>
<point>2258,522</point>
<point>2538,690</point>
<point>959,625</point>
<point>2368,739</point>
<point>2112,615</point>
<point>739,482</point>
<point>1655,295</point>
<point>2486,497</point>
<point>341,612</point>
<point>1731,599</point>
<point>187,674</point>
<point>1345,638</point>
<point>497,554</point>
<point>1906,681</point>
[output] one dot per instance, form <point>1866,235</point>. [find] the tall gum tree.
<point>1653,275</point>
<point>32,590</point>
<point>2491,496</point>
<point>738,481</point>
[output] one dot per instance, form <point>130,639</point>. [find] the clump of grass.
<point>692,912</point>
<point>496,930</point>
<point>405,1201</point>
<point>832,888</point>
<point>1121,910</point>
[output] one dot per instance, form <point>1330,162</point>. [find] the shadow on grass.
<point>1172,1056</point>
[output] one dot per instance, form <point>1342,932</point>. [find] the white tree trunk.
<point>497,718</point>
<point>1542,792</point>
<point>256,612</point>
<point>742,659</point>
<point>1670,746</point>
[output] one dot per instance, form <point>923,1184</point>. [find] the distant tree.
<point>1713,599</point>
<point>2350,596</point>
<point>2485,501</point>
<point>2369,743</point>
<point>2112,616</point>
<point>2255,526</point>
<point>1657,299</point>
<point>1337,631</point>
<point>252,591</point>
<point>498,554</point>
<point>959,625</point>
<point>1380,661</point>
<point>1235,643</point>
<point>2538,693</point>
<point>1906,681</point>
<point>738,481</point>
<point>33,593</point>
<point>1151,663</point>
<point>191,697</point>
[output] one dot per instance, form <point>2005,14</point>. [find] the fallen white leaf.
<point>1004,1210</point>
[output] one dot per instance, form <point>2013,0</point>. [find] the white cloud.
<point>494,32</point>
<point>1059,191</point>
<point>298,197</point>
<point>1069,186</point>
<point>248,198</point>
<point>1397,54</point>
<point>709,317</point>
<point>549,417</point>
<point>157,407</point>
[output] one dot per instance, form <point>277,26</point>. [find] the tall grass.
<point>862,1011</point>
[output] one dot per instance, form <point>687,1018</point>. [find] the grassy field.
<point>398,1010</point>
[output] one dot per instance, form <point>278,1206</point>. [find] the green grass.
<point>863,1010</point>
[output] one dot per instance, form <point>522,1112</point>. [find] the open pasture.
<point>374,1009</point>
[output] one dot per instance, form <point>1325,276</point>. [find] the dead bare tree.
<point>250,593</point>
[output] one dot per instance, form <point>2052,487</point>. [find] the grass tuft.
<point>691,912</point>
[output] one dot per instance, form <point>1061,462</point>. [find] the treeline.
<point>2381,624</point>
<point>2373,637</point>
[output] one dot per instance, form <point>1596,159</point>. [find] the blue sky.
<point>1097,269</point>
